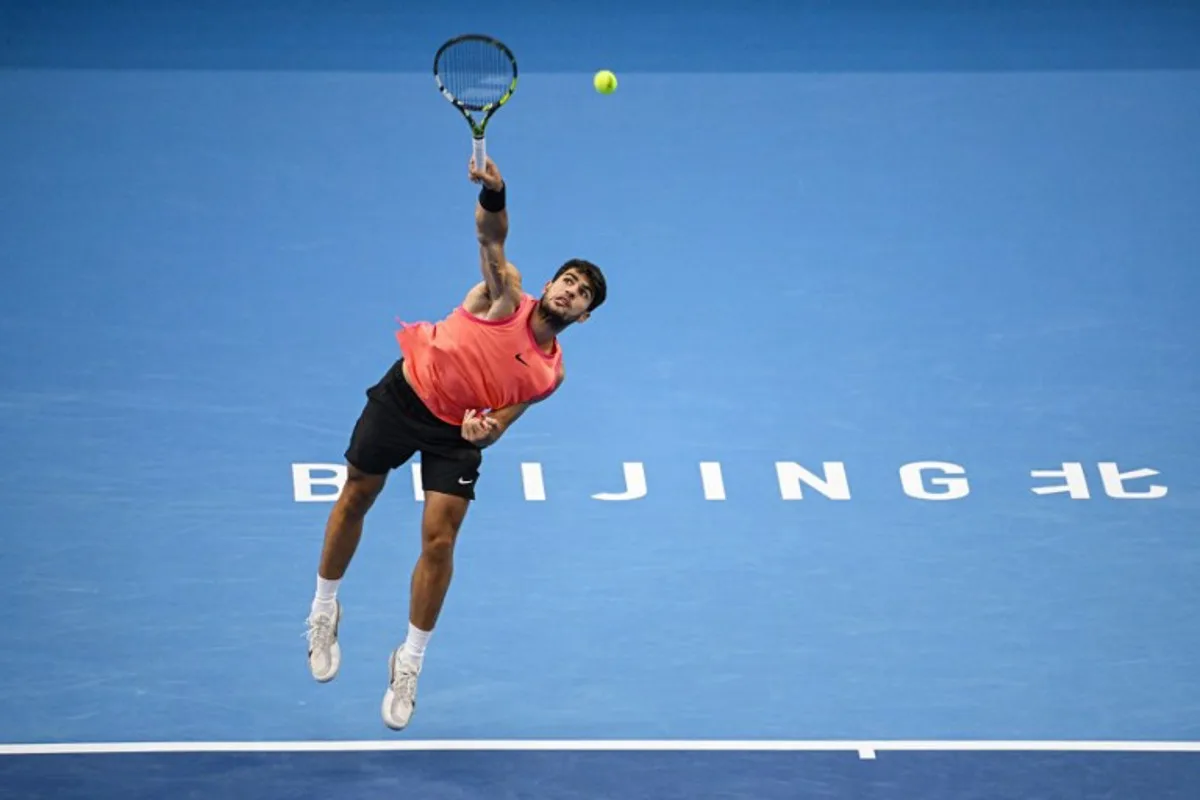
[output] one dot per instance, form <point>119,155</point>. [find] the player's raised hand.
<point>489,176</point>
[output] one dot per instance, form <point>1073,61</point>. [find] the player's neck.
<point>544,332</point>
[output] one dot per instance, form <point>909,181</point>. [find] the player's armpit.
<point>478,300</point>
<point>500,292</point>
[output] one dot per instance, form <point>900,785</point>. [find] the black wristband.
<point>492,200</point>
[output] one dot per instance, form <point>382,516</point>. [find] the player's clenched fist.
<point>478,428</point>
<point>489,176</point>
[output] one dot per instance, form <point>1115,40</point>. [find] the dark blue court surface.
<point>657,775</point>
<point>888,430</point>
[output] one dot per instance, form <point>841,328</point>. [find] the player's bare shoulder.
<point>480,302</point>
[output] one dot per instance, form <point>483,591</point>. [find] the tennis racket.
<point>478,74</point>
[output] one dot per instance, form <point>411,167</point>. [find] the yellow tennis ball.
<point>605,82</point>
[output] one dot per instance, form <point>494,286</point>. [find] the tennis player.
<point>458,386</point>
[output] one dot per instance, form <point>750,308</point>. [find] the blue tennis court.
<point>877,475</point>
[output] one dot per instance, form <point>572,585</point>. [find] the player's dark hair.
<point>594,277</point>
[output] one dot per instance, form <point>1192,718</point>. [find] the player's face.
<point>566,300</point>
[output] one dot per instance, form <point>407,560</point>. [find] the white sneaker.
<point>401,697</point>
<point>324,653</point>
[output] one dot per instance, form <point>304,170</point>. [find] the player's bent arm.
<point>506,417</point>
<point>509,414</point>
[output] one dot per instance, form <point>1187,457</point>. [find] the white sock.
<point>326,594</point>
<point>414,646</point>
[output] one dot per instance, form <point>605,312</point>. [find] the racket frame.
<point>478,127</point>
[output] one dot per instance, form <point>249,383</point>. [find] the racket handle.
<point>480,155</point>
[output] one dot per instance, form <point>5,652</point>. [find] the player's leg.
<point>378,444</point>
<point>343,530</point>
<point>441,521</point>
<point>449,483</point>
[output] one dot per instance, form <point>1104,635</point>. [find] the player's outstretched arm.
<point>501,280</point>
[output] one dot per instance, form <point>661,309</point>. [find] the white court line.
<point>864,749</point>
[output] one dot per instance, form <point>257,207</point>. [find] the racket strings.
<point>476,74</point>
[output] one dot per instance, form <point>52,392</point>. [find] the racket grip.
<point>480,155</point>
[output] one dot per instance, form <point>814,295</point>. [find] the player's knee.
<point>359,493</point>
<point>443,516</point>
<point>437,541</point>
<point>439,528</point>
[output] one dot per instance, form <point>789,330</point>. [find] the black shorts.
<point>395,425</point>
